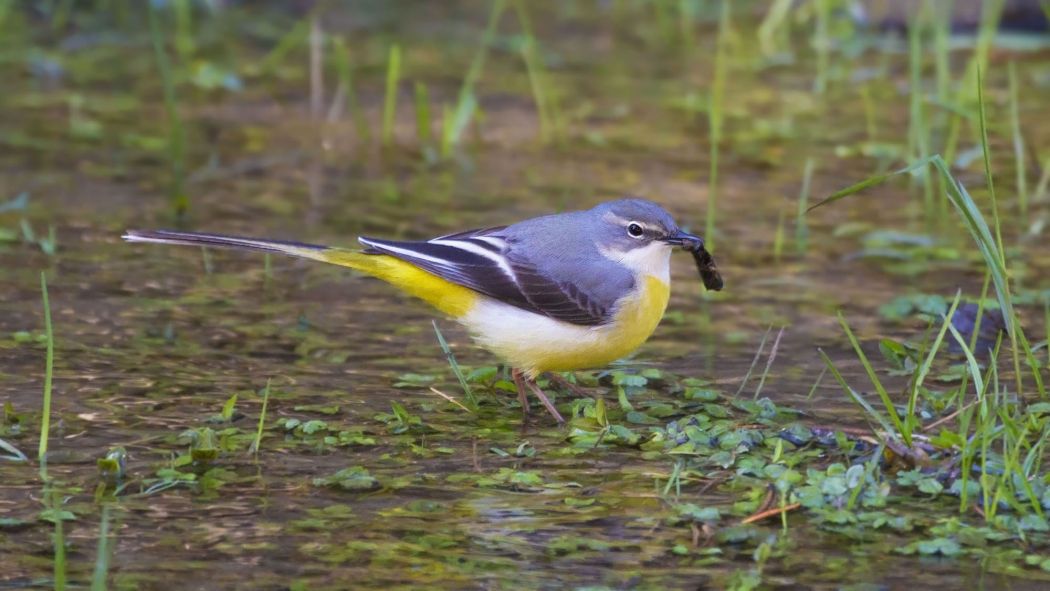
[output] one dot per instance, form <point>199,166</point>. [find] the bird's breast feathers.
<point>536,343</point>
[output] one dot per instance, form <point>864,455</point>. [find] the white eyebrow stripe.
<point>481,251</point>
<point>612,217</point>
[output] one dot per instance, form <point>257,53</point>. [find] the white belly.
<point>535,343</point>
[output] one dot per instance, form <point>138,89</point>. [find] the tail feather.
<point>299,249</point>
<point>451,298</point>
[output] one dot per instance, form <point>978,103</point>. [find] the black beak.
<point>705,263</point>
<point>685,240</point>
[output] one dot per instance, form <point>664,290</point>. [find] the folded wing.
<point>485,261</point>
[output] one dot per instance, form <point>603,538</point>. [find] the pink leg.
<point>519,383</point>
<point>546,401</point>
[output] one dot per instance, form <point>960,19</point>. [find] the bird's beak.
<point>685,240</point>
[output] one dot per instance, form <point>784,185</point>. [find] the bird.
<point>561,292</point>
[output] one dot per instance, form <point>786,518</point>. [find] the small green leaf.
<point>228,408</point>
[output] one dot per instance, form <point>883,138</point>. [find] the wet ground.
<point>150,342</point>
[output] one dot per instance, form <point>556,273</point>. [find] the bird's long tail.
<point>297,249</point>
<point>452,299</point>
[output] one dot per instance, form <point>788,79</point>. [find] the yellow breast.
<point>634,323</point>
<point>536,343</point>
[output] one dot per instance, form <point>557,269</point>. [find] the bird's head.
<point>640,235</point>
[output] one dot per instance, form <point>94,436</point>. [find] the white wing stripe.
<point>493,240</point>
<point>481,251</point>
<point>415,254</point>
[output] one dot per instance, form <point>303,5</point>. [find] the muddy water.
<point>151,341</point>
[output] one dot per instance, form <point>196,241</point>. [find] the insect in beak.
<point>705,263</point>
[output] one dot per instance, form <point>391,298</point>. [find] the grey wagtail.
<point>555,293</point>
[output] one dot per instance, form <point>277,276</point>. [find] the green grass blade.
<point>184,43</point>
<point>393,74</point>
<point>778,237</point>
<point>102,554</point>
<point>864,404</point>
<point>987,156</point>
<point>715,118</point>
<point>868,183</point>
<point>982,234</point>
<point>422,113</point>
<point>45,413</point>
<point>816,383</point>
<point>924,369</point>
<point>58,541</point>
<point>974,221</point>
<point>870,119</point>
<point>822,44</point>
<point>801,227</point>
<point>971,361</point>
<point>902,429</point>
<point>257,442</point>
<point>292,39</point>
<point>1033,363</point>
<point>1018,142</point>
<point>754,362</point>
<point>537,74</point>
<point>776,20</point>
<point>471,399</point>
<point>346,80</point>
<point>769,362</point>
<point>176,131</point>
<point>980,310</point>
<point>467,103</point>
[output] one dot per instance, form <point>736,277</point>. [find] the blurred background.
<point>321,121</point>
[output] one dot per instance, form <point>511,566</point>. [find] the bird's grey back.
<point>564,248</point>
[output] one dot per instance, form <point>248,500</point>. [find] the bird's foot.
<point>521,381</point>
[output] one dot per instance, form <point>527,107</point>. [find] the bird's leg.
<point>573,389</point>
<point>543,398</point>
<point>519,382</point>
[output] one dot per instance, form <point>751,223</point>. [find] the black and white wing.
<point>485,261</point>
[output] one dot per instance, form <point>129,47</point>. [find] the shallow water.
<point>149,343</point>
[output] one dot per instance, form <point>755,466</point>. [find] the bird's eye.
<point>635,230</point>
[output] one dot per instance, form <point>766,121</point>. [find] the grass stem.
<point>393,74</point>
<point>345,73</point>
<point>176,132</point>
<point>801,226</point>
<point>102,554</point>
<point>769,362</point>
<point>1018,142</point>
<point>754,361</point>
<point>257,442</point>
<point>472,400</point>
<point>715,118</point>
<point>45,413</point>
<point>822,44</point>
<point>58,542</point>
<point>422,97</point>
